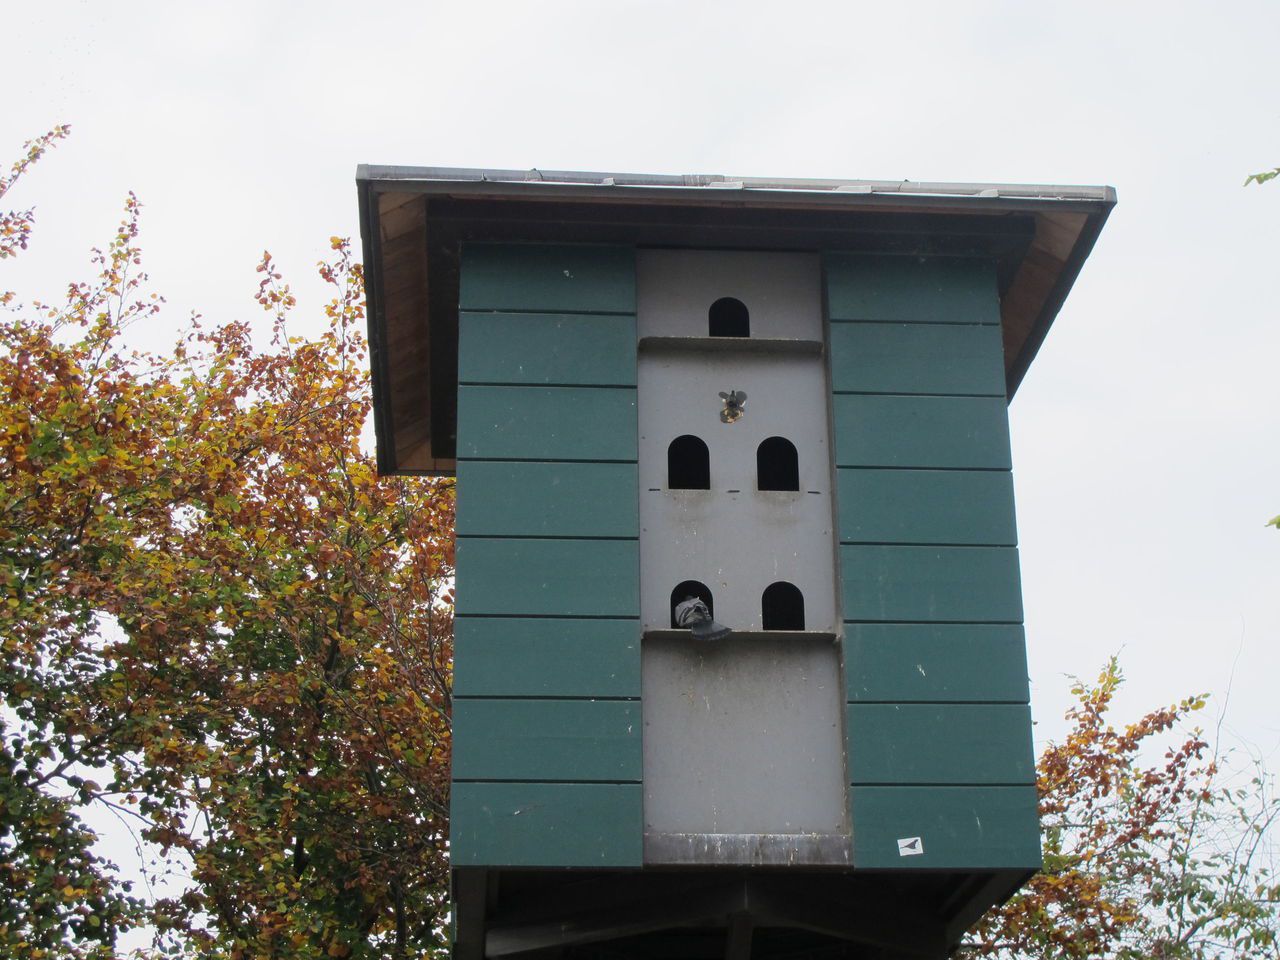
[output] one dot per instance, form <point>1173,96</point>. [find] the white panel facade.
<point>743,736</point>
<point>675,288</point>
<point>734,538</point>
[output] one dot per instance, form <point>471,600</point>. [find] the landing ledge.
<point>749,849</point>
<point>773,345</point>
<point>685,635</point>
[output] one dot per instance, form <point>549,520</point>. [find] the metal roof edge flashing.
<point>786,185</point>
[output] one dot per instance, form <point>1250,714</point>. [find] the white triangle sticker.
<point>910,846</point>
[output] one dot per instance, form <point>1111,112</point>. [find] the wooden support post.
<point>470,896</point>
<point>737,944</point>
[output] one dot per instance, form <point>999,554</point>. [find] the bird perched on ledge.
<point>693,613</point>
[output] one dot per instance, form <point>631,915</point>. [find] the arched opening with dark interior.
<point>688,464</point>
<point>728,317</point>
<point>777,465</point>
<point>782,607</point>
<point>687,589</point>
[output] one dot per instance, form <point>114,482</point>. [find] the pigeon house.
<point>740,666</point>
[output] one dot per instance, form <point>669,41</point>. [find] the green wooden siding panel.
<point>547,348</point>
<point>904,662</point>
<point>931,584</point>
<point>955,743</point>
<point>546,740</point>
<point>546,825</point>
<point>546,423</point>
<point>911,289</point>
<point>897,431</point>
<point>926,506</point>
<point>548,277</point>
<point>502,498</point>
<point>960,828</point>
<point>917,358</point>
<point>565,578</point>
<point>513,657</point>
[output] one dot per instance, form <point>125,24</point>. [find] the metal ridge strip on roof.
<point>1062,192</point>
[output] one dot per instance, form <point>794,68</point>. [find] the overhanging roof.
<point>413,220</point>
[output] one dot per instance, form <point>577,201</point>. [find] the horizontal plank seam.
<point>899,393</point>
<point>890,466</point>
<point>942,783</point>
<point>858,466</point>
<point>548,460</point>
<point>932,622</point>
<point>548,616</point>
<point>1020,785</point>
<point>956,546</point>
<point>560,386</point>
<point>462,459</point>
<point>514,311</point>
<point>917,323</point>
<point>618,782</point>
<point>930,703</point>
<point>916,543</point>
<point>537,536</point>
<point>515,697</point>
<point>539,384</point>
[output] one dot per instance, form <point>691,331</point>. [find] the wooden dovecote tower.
<point>786,402</point>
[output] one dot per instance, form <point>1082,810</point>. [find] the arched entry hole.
<point>728,317</point>
<point>688,464</point>
<point>687,589</point>
<point>782,607</point>
<point>777,466</point>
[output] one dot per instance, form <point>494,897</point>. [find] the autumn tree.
<point>217,622</point>
<point>1168,860</point>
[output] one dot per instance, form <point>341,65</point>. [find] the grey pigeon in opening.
<point>693,613</point>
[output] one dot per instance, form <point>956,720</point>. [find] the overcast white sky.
<point>1147,434</point>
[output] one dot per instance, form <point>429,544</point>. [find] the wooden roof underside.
<point>412,232</point>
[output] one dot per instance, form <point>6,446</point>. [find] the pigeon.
<point>693,613</point>
<point>734,401</point>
